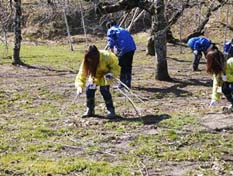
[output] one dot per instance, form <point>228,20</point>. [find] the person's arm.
<point>111,39</point>
<point>196,46</point>
<point>80,80</point>
<point>216,83</point>
<point>229,70</point>
<point>114,67</point>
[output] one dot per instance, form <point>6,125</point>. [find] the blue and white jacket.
<point>120,39</point>
<point>200,44</point>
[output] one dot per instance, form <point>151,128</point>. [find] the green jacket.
<point>217,79</point>
<point>108,63</point>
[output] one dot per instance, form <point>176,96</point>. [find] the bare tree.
<point>5,18</point>
<point>159,25</point>
<point>159,28</point>
<point>212,7</point>
<point>17,31</point>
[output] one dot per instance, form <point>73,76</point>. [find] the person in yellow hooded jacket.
<point>97,69</point>
<point>222,72</point>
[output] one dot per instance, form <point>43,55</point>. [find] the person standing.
<point>122,44</point>
<point>199,45</point>
<point>97,69</point>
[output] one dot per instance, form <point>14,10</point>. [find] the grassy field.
<point>42,132</point>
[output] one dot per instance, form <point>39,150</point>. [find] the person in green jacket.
<point>222,72</point>
<point>97,69</point>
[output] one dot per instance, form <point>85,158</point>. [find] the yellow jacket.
<point>217,79</point>
<point>108,63</point>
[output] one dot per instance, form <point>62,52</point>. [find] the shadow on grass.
<point>177,89</point>
<point>24,65</point>
<point>202,61</point>
<point>179,60</point>
<point>146,120</point>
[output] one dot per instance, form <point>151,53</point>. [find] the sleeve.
<point>110,38</point>
<point>196,46</point>
<point>114,67</point>
<point>216,83</point>
<point>229,70</point>
<point>80,80</point>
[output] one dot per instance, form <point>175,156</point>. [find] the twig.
<point>142,168</point>
<point>129,90</point>
<point>131,101</point>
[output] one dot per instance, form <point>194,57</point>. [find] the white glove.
<point>195,52</point>
<point>224,78</point>
<point>213,103</point>
<point>79,90</point>
<point>92,86</point>
<point>108,76</point>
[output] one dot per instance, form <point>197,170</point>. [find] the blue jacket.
<point>121,39</point>
<point>200,44</point>
<point>228,48</point>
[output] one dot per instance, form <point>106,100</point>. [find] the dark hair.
<point>215,62</point>
<point>91,60</point>
<point>111,23</point>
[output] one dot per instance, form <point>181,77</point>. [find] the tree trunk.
<point>17,31</point>
<point>160,43</point>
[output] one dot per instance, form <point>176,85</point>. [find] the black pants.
<point>227,89</point>
<point>125,62</point>
<point>196,60</point>
<point>105,92</point>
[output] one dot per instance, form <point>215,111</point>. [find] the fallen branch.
<point>226,25</point>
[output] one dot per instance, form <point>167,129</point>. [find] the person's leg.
<point>227,89</point>
<point>105,92</point>
<point>90,102</point>
<point>196,60</point>
<point>122,64</point>
<point>125,62</point>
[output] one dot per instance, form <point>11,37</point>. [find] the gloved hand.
<point>224,78</point>
<point>108,76</point>
<point>195,52</point>
<point>213,103</point>
<point>79,90</point>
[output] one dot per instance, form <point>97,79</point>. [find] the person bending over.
<point>122,44</point>
<point>222,72</point>
<point>199,45</point>
<point>97,69</point>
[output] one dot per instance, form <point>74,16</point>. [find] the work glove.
<point>213,103</point>
<point>79,90</point>
<point>92,86</point>
<point>224,78</point>
<point>108,76</point>
<point>195,52</point>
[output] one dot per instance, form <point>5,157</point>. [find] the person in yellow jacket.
<point>222,76</point>
<point>97,69</point>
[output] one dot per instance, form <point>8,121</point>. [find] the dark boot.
<point>108,101</point>
<point>89,113</point>
<point>90,95</point>
<point>196,61</point>
<point>111,113</point>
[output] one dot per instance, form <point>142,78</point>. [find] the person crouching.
<point>97,69</point>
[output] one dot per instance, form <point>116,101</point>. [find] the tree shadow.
<point>24,65</point>
<point>179,60</point>
<point>146,120</point>
<point>177,88</point>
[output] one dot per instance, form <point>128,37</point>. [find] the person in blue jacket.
<point>228,49</point>
<point>122,44</point>
<point>199,45</point>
